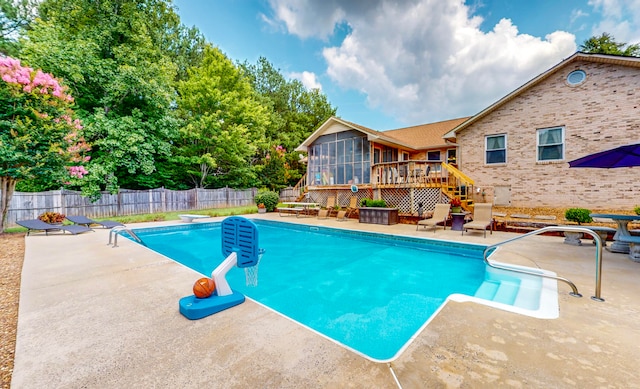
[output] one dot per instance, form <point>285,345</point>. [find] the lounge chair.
<point>326,213</point>
<point>85,221</point>
<point>440,215</point>
<point>39,225</point>
<point>482,218</point>
<point>353,205</point>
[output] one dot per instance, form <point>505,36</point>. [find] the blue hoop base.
<point>194,308</point>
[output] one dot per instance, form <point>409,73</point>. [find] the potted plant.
<point>52,217</point>
<point>456,205</point>
<point>577,215</point>
<point>261,208</point>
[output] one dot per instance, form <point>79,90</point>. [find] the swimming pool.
<point>370,292</point>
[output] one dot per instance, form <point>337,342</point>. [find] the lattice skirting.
<point>405,199</point>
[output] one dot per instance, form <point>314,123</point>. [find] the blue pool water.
<point>370,292</point>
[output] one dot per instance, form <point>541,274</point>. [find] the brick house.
<point>517,150</point>
<point>405,167</point>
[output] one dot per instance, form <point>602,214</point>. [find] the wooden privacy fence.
<point>27,205</point>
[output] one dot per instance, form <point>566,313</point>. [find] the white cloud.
<point>620,18</point>
<point>423,60</point>
<point>308,79</point>
<point>577,14</point>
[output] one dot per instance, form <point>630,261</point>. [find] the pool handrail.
<point>596,239</point>
<point>114,232</point>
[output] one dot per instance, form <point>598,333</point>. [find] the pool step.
<point>529,294</point>
<point>504,292</point>
<point>487,290</point>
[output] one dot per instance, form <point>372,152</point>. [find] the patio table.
<point>298,207</point>
<point>622,230</point>
<point>457,220</point>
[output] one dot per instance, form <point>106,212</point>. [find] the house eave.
<point>577,56</point>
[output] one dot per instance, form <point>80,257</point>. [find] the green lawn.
<point>162,216</point>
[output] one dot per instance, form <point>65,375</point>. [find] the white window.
<point>550,144</point>
<point>495,149</point>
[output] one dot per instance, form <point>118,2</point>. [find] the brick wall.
<point>601,113</point>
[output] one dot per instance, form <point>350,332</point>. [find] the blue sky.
<point>394,63</point>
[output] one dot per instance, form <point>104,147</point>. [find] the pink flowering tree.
<point>38,135</point>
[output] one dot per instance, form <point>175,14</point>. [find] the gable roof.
<point>413,138</point>
<point>426,135</point>
<point>578,56</point>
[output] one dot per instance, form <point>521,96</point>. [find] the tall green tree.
<point>224,124</point>
<point>15,17</point>
<point>122,59</point>
<point>606,44</point>
<point>38,136</point>
<point>295,113</point>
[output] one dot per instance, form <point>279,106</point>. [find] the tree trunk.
<point>7,186</point>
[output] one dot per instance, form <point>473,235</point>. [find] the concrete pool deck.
<point>92,316</point>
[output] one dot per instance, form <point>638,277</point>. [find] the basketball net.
<point>251,272</point>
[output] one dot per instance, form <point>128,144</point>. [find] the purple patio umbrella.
<point>623,156</point>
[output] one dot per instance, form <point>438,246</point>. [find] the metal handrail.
<point>117,230</point>
<point>585,230</point>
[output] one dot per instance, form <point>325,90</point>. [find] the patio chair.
<point>482,218</point>
<point>85,221</point>
<point>326,213</point>
<point>353,205</point>
<point>440,215</point>
<point>39,225</point>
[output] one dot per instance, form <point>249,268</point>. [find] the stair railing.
<point>574,292</point>
<point>115,231</point>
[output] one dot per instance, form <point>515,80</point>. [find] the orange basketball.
<point>204,287</point>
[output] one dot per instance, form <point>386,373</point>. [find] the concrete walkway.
<point>92,316</point>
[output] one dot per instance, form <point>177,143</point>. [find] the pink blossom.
<point>77,171</point>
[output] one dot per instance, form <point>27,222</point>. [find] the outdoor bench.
<point>289,211</point>
<point>190,218</point>
<point>573,238</point>
<point>634,246</point>
<point>602,231</point>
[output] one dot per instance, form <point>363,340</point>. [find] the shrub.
<point>637,209</point>
<point>363,202</point>
<point>269,199</point>
<point>578,215</point>
<point>52,217</point>
<point>374,203</point>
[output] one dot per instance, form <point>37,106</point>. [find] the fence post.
<point>63,204</point>
<point>119,203</point>
<point>163,200</point>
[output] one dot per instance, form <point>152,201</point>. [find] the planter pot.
<point>372,215</point>
<point>262,210</point>
<point>573,238</point>
<point>456,209</point>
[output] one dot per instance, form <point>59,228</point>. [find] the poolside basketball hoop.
<point>240,247</point>
<point>251,272</point>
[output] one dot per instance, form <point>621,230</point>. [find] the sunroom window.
<point>340,158</point>
<point>550,144</point>
<point>496,149</point>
